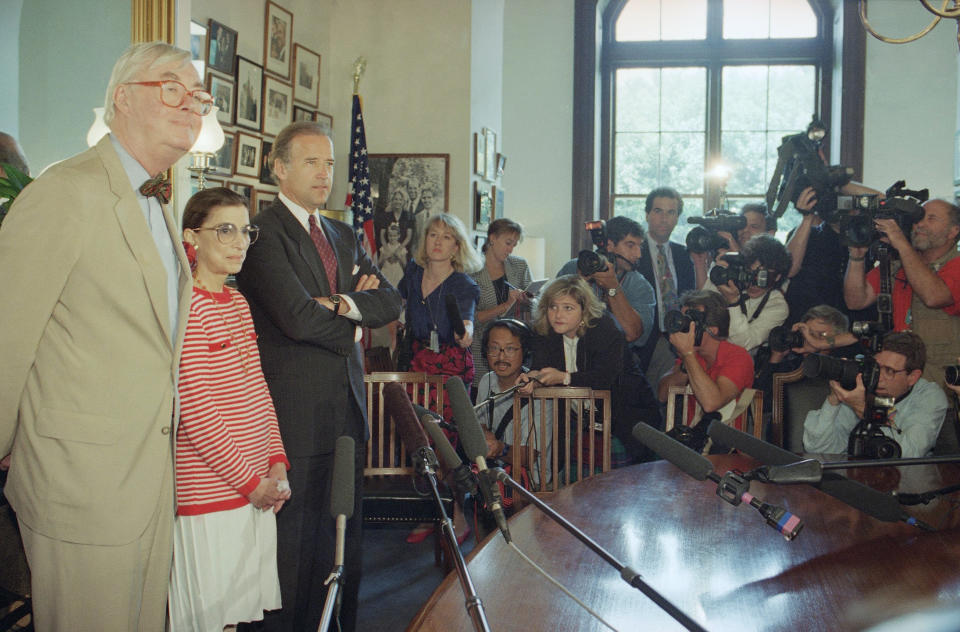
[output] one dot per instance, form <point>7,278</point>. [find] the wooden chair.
<point>574,425</point>
<point>752,414</point>
<point>390,495</point>
<point>793,397</point>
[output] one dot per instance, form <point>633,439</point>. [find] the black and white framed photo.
<point>246,190</point>
<point>249,110</point>
<point>278,105</point>
<point>480,154</point>
<point>303,114</point>
<point>221,90</point>
<point>325,120</point>
<point>248,155</point>
<point>266,176</point>
<point>223,161</point>
<point>306,83</point>
<point>490,154</point>
<point>221,47</point>
<point>198,48</point>
<point>277,40</point>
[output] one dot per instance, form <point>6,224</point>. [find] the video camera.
<point>867,439</point>
<point>704,237</point>
<point>901,204</point>
<point>591,261</point>
<point>738,271</point>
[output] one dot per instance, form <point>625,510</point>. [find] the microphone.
<point>341,493</point>
<point>453,313</point>
<point>463,477</point>
<point>475,446</point>
<point>426,412</point>
<point>870,501</point>
<point>731,487</point>
<point>398,403</point>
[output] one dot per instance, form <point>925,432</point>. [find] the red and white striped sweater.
<point>228,436</point>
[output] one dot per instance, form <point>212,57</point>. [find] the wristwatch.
<point>335,299</point>
<point>613,291</point>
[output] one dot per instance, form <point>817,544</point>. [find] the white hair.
<point>134,60</point>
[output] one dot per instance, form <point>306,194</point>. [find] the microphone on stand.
<point>453,313</point>
<point>475,447</point>
<point>341,508</point>
<point>398,403</point>
<point>731,487</point>
<point>463,477</point>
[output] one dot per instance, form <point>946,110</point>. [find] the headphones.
<point>518,328</point>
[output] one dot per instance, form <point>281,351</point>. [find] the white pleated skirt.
<point>224,569</point>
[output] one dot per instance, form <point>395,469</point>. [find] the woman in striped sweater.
<point>231,469</point>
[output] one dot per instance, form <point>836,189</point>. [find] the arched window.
<point>690,84</point>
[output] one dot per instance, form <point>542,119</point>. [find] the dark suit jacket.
<point>599,354</point>
<point>310,360</point>
<point>686,280</point>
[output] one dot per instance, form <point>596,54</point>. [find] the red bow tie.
<point>157,186</point>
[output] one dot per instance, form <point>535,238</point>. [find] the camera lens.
<point>952,375</point>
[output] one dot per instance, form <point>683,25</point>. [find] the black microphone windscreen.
<point>425,412</point>
<point>397,402</point>
<point>341,493</point>
<point>465,418</point>
<point>872,502</point>
<point>696,465</point>
<point>453,313</point>
<point>448,455</point>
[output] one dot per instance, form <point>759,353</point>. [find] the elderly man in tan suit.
<point>95,292</point>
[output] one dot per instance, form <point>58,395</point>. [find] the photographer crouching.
<point>750,282</point>
<point>906,408</point>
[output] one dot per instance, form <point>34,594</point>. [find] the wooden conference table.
<point>721,565</point>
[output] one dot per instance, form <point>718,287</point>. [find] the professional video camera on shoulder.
<point>704,237</point>
<point>900,204</point>
<point>591,261</point>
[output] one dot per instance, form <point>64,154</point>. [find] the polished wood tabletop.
<point>720,564</point>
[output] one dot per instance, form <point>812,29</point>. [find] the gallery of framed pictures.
<point>407,189</point>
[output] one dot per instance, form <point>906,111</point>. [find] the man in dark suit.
<point>311,287</point>
<point>668,268</point>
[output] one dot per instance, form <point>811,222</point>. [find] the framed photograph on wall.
<point>249,103</point>
<point>266,177</point>
<point>479,154</point>
<point>303,114</point>
<point>198,48</point>
<point>264,199</point>
<point>490,154</point>
<point>277,40</point>
<point>496,196</point>
<point>306,83</point>
<point>482,206</point>
<point>221,47</point>
<point>407,189</point>
<point>248,155</point>
<point>222,92</point>
<point>325,120</point>
<point>246,190</point>
<point>222,161</point>
<point>278,105</point>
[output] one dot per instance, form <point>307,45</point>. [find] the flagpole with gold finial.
<point>359,66</point>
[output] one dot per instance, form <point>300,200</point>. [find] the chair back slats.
<point>386,454</point>
<point>689,408</point>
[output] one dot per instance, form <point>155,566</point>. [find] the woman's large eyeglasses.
<point>227,233</point>
<point>173,94</point>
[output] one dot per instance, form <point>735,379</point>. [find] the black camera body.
<point>843,370</point>
<point>951,375</point>
<point>782,338</point>
<point>738,271</point>
<point>704,237</point>
<point>675,321</point>
<point>868,441</point>
<point>591,261</point>
<point>901,204</point>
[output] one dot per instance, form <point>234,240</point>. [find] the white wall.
<point>10,50</point>
<point>537,135</point>
<point>910,113</point>
<point>67,50</point>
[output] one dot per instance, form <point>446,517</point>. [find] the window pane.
<point>792,92</point>
<point>762,19</point>
<point>744,104</point>
<point>692,207</point>
<point>636,162</point>
<point>652,20</point>
<point>638,99</point>
<point>681,161</point>
<point>744,153</point>
<point>629,207</point>
<point>684,99</point>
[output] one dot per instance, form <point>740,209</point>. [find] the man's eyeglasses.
<point>495,350</point>
<point>227,233</point>
<point>173,94</point>
<point>889,372</point>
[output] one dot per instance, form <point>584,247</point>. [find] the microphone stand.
<point>335,579</point>
<point>427,464</point>
<point>628,574</point>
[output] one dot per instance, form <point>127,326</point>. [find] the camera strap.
<point>756,312</point>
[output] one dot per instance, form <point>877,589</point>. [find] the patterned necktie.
<point>668,293</point>
<point>326,253</point>
<point>158,187</point>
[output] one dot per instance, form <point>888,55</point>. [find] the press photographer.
<point>610,270</point>
<point>926,281</point>
<point>916,406</point>
<point>750,283</point>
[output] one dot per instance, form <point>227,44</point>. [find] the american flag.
<point>358,198</point>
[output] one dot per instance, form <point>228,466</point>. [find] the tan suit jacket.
<point>87,369</point>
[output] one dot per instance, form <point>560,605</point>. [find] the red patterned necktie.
<point>326,253</point>
<point>157,187</point>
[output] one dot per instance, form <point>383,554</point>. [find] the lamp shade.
<point>98,130</point>
<point>210,139</point>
